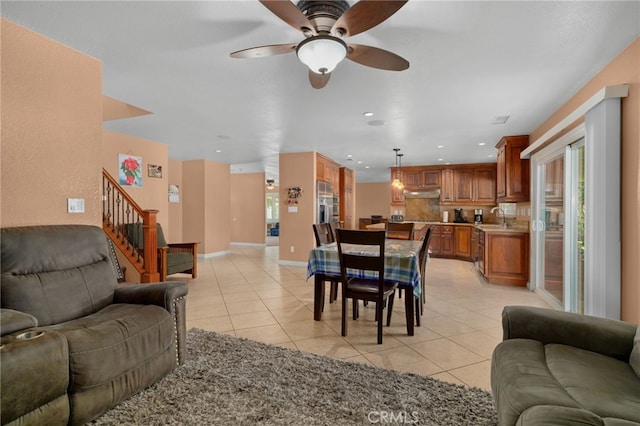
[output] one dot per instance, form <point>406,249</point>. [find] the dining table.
<point>402,266</point>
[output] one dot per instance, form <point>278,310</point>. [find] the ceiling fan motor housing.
<point>322,13</point>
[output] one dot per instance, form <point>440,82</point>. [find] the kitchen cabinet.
<point>446,189</point>
<point>420,177</point>
<point>447,247</point>
<point>434,244</point>
<point>513,174</point>
<point>506,258</point>
<point>328,171</point>
<point>469,185</point>
<point>347,199</point>
<point>462,237</point>
<point>442,242</point>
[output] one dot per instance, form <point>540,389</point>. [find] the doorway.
<point>272,219</point>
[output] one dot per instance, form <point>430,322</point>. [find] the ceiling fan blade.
<point>318,81</point>
<point>262,51</point>
<point>376,58</point>
<point>290,14</point>
<point>364,15</point>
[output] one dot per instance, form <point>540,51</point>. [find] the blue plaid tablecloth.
<point>401,263</point>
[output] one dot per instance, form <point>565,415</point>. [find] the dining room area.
<point>250,294</point>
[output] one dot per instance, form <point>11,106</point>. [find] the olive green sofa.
<point>74,342</point>
<point>560,368</point>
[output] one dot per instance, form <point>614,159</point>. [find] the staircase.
<point>118,210</point>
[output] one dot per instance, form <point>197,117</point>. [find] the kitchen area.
<point>477,212</point>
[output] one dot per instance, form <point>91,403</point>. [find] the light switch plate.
<point>75,205</point>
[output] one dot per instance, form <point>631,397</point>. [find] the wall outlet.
<point>291,249</point>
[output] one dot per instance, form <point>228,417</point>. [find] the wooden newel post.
<point>150,234</point>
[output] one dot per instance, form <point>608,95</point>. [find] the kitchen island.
<point>500,254</point>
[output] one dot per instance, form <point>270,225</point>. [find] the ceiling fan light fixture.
<point>321,53</point>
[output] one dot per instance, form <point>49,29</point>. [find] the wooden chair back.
<point>322,232</point>
<point>400,231</point>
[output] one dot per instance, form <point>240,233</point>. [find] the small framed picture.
<point>155,171</point>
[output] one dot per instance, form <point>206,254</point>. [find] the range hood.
<point>423,193</point>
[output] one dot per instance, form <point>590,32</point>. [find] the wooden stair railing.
<point>119,210</point>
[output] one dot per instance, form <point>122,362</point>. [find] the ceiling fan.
<point>325,23</point>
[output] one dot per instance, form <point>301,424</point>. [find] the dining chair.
<point>323,234</point>
<point>355,256</point>
<point>400,230</point>
<point>424,258</point>
<point>333,226</point>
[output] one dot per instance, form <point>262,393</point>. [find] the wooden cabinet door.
<point>463,185</point>
<point>430,178</point>
<point>321,171</point>
<point>462,237</point>
<point>447,246</point>
<point>501,186</point>
<point>484,186</point>
<point>447,188</point>
<point>411,179</point>
<point>507,258</point>
<point>513,177</point>
<point>436,239</point>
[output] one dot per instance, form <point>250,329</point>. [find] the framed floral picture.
<point>155,171</point>
<point>130,170</point>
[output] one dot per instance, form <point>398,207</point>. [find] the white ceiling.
<point>470,61</point>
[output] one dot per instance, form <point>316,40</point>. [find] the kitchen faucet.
<point>504,218</point>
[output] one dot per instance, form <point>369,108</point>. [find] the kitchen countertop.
<point>486,227</point>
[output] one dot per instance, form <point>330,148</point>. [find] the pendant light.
<point>397,180</point>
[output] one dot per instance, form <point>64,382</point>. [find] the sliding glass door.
<point>558,226</point>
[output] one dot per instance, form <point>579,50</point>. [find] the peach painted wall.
<point>248,208</point>
<point>206,196</point>
<point>297,169</point>
<point>175,209</point>
<point>51,130</point>
<point>624,69</point>
<point>152,195</point>
<point>372,199</point>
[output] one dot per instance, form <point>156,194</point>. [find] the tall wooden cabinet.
<point>347,198</point>
<point>513,174</point>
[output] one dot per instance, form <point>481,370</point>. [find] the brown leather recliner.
<point>100,342</point>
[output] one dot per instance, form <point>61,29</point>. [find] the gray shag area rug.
<point>228,381</point>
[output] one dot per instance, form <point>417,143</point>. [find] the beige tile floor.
<point>248,294</point>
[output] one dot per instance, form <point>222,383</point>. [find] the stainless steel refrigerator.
<point>325,202</point>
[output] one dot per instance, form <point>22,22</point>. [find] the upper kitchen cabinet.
<point>420,177</point>
<point>512,182</point>
<point>328,171</point>
<point>469,185</point>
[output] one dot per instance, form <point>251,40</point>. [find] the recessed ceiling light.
<point>349,156</point>
<point>440,159</point>
<point>218,150</point>
<point>366,167</point>
<point>500,119</point>
<point>359,162</point>
<point>440,146</point>
<point>490,155</point>
<point>368,114</point>
<point>482,143</point>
